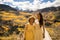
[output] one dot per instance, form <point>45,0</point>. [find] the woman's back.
<point>38,32</point>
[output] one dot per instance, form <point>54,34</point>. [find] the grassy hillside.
<point>12,21</point>
<point>52,24</point>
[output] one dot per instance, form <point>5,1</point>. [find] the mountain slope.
<point>50,9</point>
<point>6,8</point>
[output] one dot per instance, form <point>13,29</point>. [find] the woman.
<point>39,21</point>
<point>29,29</point>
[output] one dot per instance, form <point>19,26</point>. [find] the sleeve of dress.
<point>26,27</point>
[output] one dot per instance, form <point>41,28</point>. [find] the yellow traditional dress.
<point>38,31</point>
<point>33,32</point>
<point>29,32</point>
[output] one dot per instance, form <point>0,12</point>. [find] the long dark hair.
<point>41,19</point>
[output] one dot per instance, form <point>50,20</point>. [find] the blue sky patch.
<point>47,1</point>
<point>23,0</point>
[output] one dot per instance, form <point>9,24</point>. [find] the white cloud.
<point>36,4</point>
<point>8,1</point>
<point>56,3</point>
<point>22,5</point>
<point>44,5</point>
<point>1,2</point>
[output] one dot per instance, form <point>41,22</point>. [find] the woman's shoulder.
<point>35,24</point>
<point>26,24</point>
<point>36,21</point>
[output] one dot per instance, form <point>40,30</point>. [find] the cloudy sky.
<point>31,4</point>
